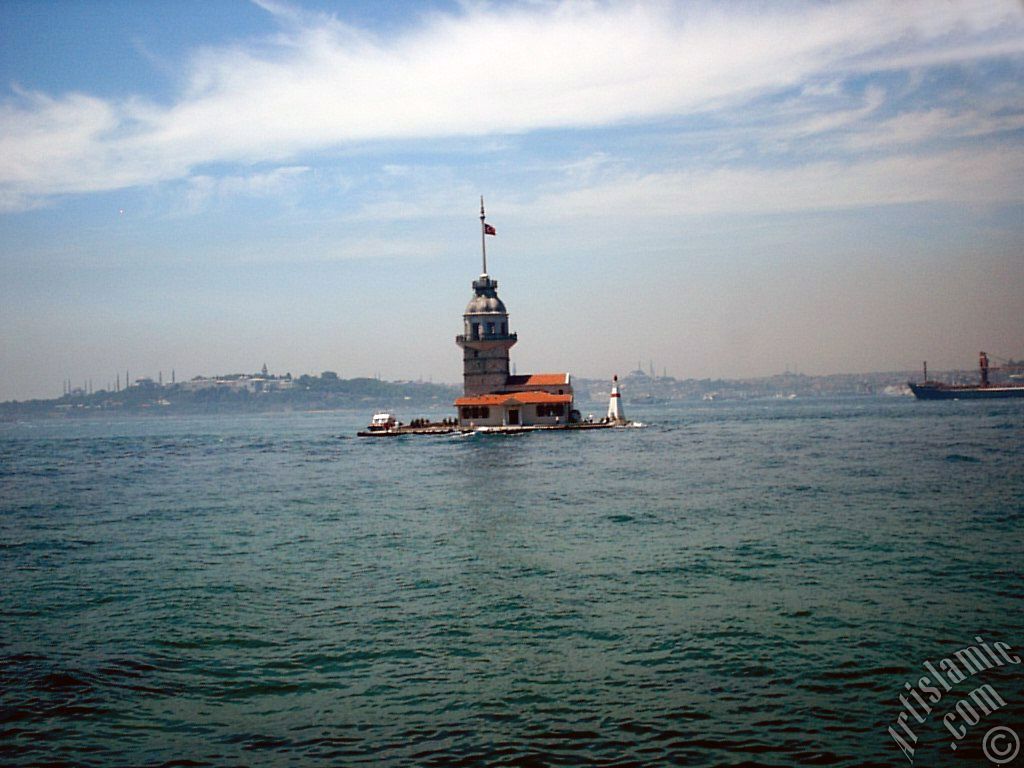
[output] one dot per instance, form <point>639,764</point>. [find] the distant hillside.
<point>241,393</point>
<point>638,387</point>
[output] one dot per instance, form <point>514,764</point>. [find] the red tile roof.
<point>539,380</point>
<point>521,398</point>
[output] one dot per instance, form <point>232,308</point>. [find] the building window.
<point>547,410</point>
<point>490,329</point>
<point>504,329</point>
<point>476,330</point>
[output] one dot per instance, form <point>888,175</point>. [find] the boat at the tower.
<point>494,399</point>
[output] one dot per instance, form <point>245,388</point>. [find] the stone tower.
<point>485,340</point>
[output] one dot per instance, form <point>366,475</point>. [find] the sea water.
<point>731,584</point>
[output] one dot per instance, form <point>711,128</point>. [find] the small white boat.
<point>382,422</point>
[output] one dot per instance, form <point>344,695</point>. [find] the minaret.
<point>485,340</point>
<point>615,412</point>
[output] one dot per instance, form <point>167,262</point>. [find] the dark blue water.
<point>734,584</point>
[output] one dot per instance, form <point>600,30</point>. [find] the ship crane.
<point>1011,368</point>
<point>1007,365</point>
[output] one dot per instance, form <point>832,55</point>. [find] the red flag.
<point>489,230</point>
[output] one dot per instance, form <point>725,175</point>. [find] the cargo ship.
<point>937,390</point>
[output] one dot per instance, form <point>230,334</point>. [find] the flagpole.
<point>483,234</point>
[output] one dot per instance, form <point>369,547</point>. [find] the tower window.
<point>490,329</point>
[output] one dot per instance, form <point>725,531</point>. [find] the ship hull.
<point>948,392</point>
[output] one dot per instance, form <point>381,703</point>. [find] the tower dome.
<point>482,304</point>
<point>486,318</point>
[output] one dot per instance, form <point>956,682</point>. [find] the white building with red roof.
<point>492,396</point>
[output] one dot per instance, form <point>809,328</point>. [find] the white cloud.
<point>913,128</point>
<point>982,176</point>
<point>825,121</point>
<point>40,137</point>
<point>491,70</point>
<point>203,187</point>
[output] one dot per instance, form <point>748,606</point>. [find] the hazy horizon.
<point>116,382</point>
<point>730,191</point>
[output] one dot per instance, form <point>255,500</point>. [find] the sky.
<point>720,189</point>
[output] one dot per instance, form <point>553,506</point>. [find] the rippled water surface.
<point>733,584</point>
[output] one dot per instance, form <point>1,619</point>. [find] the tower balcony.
<point>487,341</point>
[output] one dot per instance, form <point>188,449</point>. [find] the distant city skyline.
<point>727,190</point>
